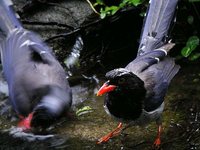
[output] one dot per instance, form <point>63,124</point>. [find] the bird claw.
<point>110,135</point>
<point>157,143</point>
<point>104,139</point>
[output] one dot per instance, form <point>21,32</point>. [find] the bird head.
<point>120,80</point>
<point>50,109</point>
<point>54,104</point>
<point>42,118</point>
<point>125,93</point>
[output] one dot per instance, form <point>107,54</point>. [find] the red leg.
<point>157,141</point>
<point>111,134</point>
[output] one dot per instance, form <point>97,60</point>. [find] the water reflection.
<point>72,60</point>
<point>27,136</point>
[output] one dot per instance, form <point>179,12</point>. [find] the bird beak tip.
<point>105,89</point>
<point>98,94</point>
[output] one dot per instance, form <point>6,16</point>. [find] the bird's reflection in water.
<point>49,140</point>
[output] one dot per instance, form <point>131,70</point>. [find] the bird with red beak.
<point>38,89</point>
<point>135,94</point>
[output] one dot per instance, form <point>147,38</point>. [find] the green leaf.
<point>193,41</point>
<point>136,2</point>
<point>114,9</point>
<point>103,15</point>
<point>84,110</point>
<point>108,11</point>
<point>186,51</point>
<point>133,2</point>
<point>194,56</point>
<point>191,45</point>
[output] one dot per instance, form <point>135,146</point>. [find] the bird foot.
<point>25,122</point>
<point>157,143</point>
<point>111,134</point>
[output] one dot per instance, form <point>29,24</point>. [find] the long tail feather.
<point>172,69</point>
<point>8,18</point>
<point>157,24</point>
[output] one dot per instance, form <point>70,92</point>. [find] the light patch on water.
<point>19,133</point>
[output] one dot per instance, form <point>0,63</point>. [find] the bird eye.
<point>121,80</point>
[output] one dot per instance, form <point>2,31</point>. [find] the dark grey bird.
<point>135,94</point>
<point>38,89</point>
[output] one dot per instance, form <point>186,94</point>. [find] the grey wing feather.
<point>157,79</point>
<point>20,44</point>
<point>8,18</point>
<point>155,74</point>
<point>146,60</point>
<point>21,70</point>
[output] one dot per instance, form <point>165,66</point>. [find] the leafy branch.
<point>191,46</point>
<point>111,10</point>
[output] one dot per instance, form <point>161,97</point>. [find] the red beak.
<point>106,88</point>
<point>25,122</point>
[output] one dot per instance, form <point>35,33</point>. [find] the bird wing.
<point>23,49</point>
<point>146,60</point>
<point>156,70</point>
<point>29,64</point>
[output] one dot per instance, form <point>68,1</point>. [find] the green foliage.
<point>194,56</point>
<point>191,45</point>
<point>132,2</point>
<point>188,51</point>
<point>84,110</point>
<point>111,10</point>
<point>108,11</point>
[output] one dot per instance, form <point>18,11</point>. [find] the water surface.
<point>181,122</point>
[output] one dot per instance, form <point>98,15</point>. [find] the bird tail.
<point>157,23</point>
<point>8,17</point>
<point>170,69</point>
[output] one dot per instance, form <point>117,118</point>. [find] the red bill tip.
<point>25,122</point>
<point>105,89</point>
